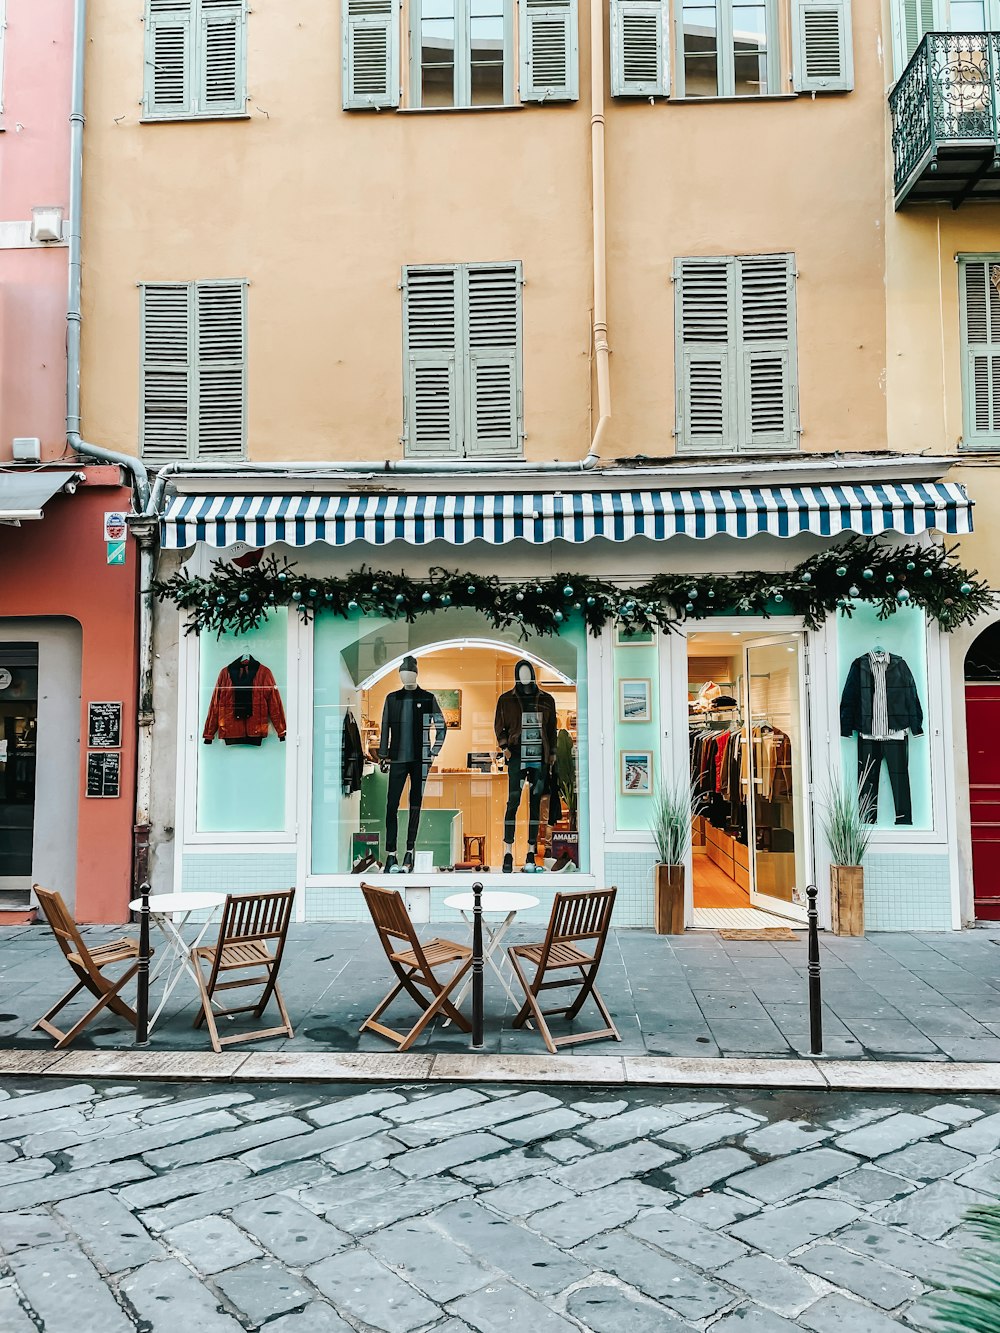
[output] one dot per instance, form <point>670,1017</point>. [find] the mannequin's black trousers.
<point>897,762</point>
<point>516,778</point>
<point>399,771</point>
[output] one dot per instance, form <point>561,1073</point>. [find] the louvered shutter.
<point>822,46</point>
<point>220,370</point>
<point>980,303</point>
<point>169,48</point>
<point>918,17</point>
<point>221,58</point>
<point>703,294</point>
<point>371,54</point>
<point>432,341</point>
<point>639,63</point>
<point>767,352</point>
<point>549,51</point>
<point>492,396</point>
<point>166,372</point>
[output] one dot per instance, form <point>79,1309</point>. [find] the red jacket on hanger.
<point>244,701</point>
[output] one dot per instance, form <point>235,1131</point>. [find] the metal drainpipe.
<point>134,466</point>
<point>601,348</point>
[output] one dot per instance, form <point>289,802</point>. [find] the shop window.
<point>431,749</point>
<point>884,733</point>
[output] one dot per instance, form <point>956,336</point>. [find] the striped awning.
<point>378,518</point>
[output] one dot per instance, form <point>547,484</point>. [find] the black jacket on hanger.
<point>902,702</point>
<point>352,758</point>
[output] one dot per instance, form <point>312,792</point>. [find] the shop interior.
<point>465,792</point>
<point>745,751</point>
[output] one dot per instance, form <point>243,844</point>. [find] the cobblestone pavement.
<point>929,996</point>
<point>320,1209</point>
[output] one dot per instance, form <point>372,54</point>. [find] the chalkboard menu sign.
<point>103,773</point>
<point>104,726</point>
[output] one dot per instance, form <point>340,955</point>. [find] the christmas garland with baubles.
<point>237,599</point>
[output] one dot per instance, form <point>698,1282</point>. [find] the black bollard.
<point>142,988</point>
<point>477,966</point>
<point>815,990</point>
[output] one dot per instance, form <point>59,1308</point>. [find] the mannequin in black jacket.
<point>406,751</point>
<point>525,727</point>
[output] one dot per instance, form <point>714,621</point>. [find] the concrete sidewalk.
<point>889,997</point>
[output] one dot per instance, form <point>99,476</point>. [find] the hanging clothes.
<point>245,702</point>
<point>352,756</point>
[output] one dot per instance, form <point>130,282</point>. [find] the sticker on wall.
<point>116,553</point>
<point>114,526</point>
<point>103,773</point>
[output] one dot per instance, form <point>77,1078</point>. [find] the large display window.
<point>448,745</point>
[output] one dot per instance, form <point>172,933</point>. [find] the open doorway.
<point>748,770</point>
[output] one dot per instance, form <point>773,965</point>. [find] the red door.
<point>982,714</point>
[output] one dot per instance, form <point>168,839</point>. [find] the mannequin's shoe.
<point>508,863</point>
<point>391,866</point>
<point>408,862</point>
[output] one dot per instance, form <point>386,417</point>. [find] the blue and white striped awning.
<point>379,518</point>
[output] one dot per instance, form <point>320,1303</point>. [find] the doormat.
<point>776,933</point>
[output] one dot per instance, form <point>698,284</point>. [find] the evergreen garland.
<point>863,569</point>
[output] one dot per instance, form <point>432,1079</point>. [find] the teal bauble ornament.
<point>841,571</point>
<point>206,604</point>
<point>689,606</point>
<point>352,606</point>
<point>557,615</point>
<point>890,578</point>
<point>576,606</point>
<point>910,566</point>
<point>591,601</point>
<point>807,577</point>
<point>692,594</point>
<point>425,597</point>
<point>296,596</point>
<point>568,591</point>
<point>244,597</point>
<point>902,595</point>
<point>220,601</point>
<point>854,591</point>
<point>400,599</point>
<point>313,592</point>
<point>519,597</point>
<point>965,589</point>
<point>446,599</point>
<point>374,587</point>
<point>282,578</point>
<point>928,573</point>
<point>779,596</point>
<point>868,574</point>
<point>328,597</point>
<point>471,590</point>
<point>711,594</point>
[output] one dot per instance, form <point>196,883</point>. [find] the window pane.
<point>750,49</point>
<point>437,53</point>
<point>968,16</point>
<point>487,53</point>
<point>701,46</point>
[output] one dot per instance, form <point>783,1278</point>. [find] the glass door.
<point>18,723</point>
<point>775,774</point>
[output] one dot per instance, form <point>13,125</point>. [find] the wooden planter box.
<point>847,900</point>
<point>668,904</point>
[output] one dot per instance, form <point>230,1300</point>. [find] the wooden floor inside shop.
<point>713,887</point>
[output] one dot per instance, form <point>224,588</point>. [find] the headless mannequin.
<point>525,717</point>
<point>406,753</point>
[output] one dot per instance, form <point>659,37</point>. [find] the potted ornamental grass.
<point>848,824</point>
<point>970,1299</point>
<point>670,825</point>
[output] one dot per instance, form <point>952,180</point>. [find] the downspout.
<point>601,348</point>
<point>145,533</point>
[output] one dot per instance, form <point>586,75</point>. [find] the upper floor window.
<point>195,59</point>
<point>462,53</point>
<point>193,371</point>
<point>979,304</point>
<point>462,360</point>
<point>735,365</point>
<point>913,19</point>
<point>728,48</point>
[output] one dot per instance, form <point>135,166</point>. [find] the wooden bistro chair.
<point>250,923</point>
<point>577,919</point>
<point>414,966</point>
<point>88,967</point>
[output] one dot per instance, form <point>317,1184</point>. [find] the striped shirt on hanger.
<point>880,708</point>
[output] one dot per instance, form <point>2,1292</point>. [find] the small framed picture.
<point>633,701</point>
<point>636,772</point>
<point>632,638</point>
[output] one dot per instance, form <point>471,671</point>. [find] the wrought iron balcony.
<point>944,109</point>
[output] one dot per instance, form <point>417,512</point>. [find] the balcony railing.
<point>944,120</point>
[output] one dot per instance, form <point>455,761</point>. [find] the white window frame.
<point>726,61</point>
<point>463,62</point>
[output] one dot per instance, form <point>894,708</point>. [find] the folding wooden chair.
<point>250,921</point>
<point>88,966</point>
<point>576,918</point>
<point>414,966</point>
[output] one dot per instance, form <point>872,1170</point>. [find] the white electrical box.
<point>27,450</point>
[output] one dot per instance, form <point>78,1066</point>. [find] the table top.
<point>168,904</point>
<point>493,901</point>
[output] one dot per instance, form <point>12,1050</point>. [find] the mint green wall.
<point>241,788</point>
<point>636,661</point>
<point>904,634</point>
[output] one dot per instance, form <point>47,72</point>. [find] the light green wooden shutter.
<point>639,61</point>
<point>220,370</point>
<point>432,347</point>
<point>169,58</point>
<point>221,57</point>
<point>918,17</point>
<point>765,296</point>
<point>549,51</point>
<point>166,371</point>
<point>703,299</point>
<point>980,308</point>
<point>371,54</point>
<point>822,46</point>
<point>493,380</point>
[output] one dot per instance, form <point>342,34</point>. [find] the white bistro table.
<point>175,959</point>
<point>498,903</point>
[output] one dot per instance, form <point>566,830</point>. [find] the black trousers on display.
<point>399,771</point>
<point>516,778</point>
<point>897,762</point>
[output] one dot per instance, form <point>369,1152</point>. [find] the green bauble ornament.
<point>568,590</point>
<point>519,597</point>
<point>352,606</point>
<point>868,574</point>
<point>965,589</point>
<point>779,597</point>
<point>313,592</point>
<point>902,595</point>
<point>692,594</point>
<point>689,606</point>
<point>425,597</point>
<point>910,566</point>
<point>206,604</point>
<point>282,578</point>
<point>928,573</point>
<point>296,596</point>
<point>400,599</point>
<point>471,590</point>
<point>557,615</point>
<point>841,571</point>
<point>591,601</point>
<point>244,597</point>
<point>446,599</point>
<point>807,577</point>
<point>890,578</point>
<point>711,594</point>
<point>328,597</point>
